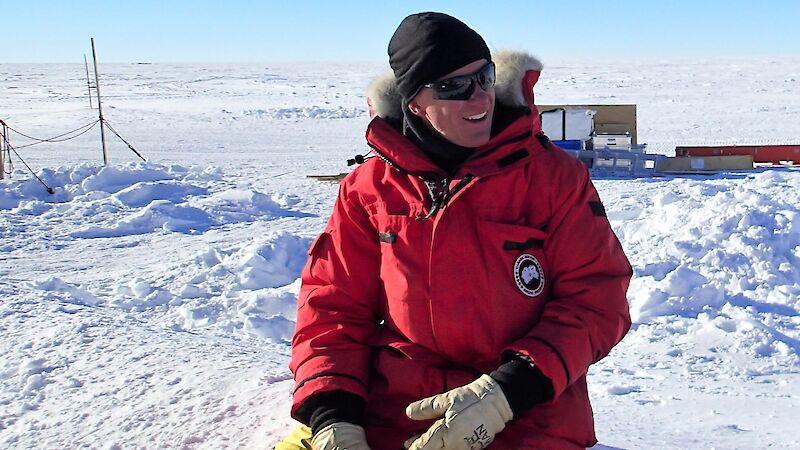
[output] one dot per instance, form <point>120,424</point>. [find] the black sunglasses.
<point>462,86</point>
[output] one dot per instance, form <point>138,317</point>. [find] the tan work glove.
<point>469,416</point>
<point>340,436</point>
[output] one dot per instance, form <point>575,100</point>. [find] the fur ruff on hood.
<point>384,100</point>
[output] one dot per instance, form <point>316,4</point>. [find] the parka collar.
<point>517,73</point>
<point>515,143</point>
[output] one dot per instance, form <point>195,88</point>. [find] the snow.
<point>151,305</point>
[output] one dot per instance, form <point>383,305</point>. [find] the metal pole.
<point>3,137</point>
<point>99,105</point>
<point>88,83</point>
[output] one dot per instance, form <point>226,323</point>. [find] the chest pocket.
<point>515,259</point>
<point>403,242</point>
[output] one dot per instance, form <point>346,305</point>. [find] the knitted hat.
<point>429,45</point>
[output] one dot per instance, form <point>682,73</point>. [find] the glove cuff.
<point>325,408</point>
<point>523,384</point>
<point>340,436</point>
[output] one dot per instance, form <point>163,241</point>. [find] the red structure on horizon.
<point>774,154</point>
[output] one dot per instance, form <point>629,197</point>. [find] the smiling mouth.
<point>476,117</point>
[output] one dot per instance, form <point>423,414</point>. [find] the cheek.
<point>442,117</point>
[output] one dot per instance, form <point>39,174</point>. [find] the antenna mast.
<point>3,148</point>
<point>99,105</point>
<point>88,83</point>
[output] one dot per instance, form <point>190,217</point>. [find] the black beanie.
<point>428,46</point>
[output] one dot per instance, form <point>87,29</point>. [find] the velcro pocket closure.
<point>512,237</point>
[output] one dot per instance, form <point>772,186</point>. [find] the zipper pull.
<point>435,190</point>
<point>460,185</point>
<point>441,194</point>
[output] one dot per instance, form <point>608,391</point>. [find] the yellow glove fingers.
<point>431,439</point>
<point>469,416</point>
<point>340,436</point>
<point>407,444</point>
<point>429,408</point>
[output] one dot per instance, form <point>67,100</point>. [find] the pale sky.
<point>310,30</point>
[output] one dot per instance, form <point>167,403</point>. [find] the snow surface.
<point>150,305</point>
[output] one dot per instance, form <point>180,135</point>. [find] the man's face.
<point>467,123</point>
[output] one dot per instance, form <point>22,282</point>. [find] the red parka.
<point>395,307</point>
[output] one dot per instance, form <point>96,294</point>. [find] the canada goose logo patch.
<point>529,275</point>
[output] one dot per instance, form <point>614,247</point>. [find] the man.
<point>468,276</point>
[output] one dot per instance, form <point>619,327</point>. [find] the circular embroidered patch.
<point>529,275</point>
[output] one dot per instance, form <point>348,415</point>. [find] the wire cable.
<point>123,140</point>
<point>56,138</point>
<point>10,147</point>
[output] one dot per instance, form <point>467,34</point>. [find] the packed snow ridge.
<point>252,288</point>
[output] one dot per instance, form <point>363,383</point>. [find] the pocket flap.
<point>512,237</point>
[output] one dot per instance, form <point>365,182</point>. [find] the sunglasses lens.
<point>453,88</point>
<point>486,77</point>
<point>462,87</point>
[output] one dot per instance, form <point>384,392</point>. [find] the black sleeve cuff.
<point>523,384</point>
<point>325,408</point>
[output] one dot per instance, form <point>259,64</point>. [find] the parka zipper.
<point>441,196</point>
<point>389,161</point>
<point>438,187</point>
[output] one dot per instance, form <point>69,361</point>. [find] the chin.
<point>473,138</point>
<point>477,141</point>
